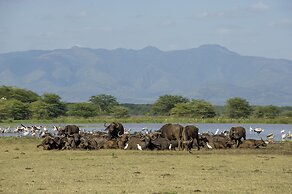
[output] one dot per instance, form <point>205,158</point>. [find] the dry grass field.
<point>27,169</point>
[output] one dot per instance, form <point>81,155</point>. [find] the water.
<point>205,127</point>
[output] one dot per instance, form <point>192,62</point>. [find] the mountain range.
<point>209,72</point>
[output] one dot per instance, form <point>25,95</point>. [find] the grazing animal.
<point>217,141</point>
<point>172,132</point>
<point>162,143</point>
<point>68,130</point>
<point>114,129</point>
<point>190,133</point>
<point>48,143</point>
<point>110,144</point>
<point>236,133</point>
<point>122,140</point>
<point>136,143</point>
<point>252,143</point>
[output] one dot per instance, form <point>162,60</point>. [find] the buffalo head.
<point>114,129</point>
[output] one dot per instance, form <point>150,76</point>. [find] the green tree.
<point>259,112</point>
<point>49,106</point>
<point>238,108</point>
<point>81,109</point>
<point>272,112</point>
<point>182,110</point>
<point>103,102</point>
<point>120,112</point>
<point>54,105</point>
<point>25,96</point>
<point>194,108</point>
<point>165,103</point>
<point>17,110</point>
<point>4,110</point>
<point>39,110</point>
<point>266,112</point>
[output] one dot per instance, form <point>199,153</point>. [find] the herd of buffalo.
<point>168,137</point>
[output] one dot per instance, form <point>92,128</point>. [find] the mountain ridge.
<point>210,72</point>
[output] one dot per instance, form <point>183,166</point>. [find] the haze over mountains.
<point>209,72</point>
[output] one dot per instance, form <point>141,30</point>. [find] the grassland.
<point>27,169</point>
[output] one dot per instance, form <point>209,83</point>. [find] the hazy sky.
<point>249,27</point>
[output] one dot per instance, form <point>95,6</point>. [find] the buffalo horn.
<point>117,125</point>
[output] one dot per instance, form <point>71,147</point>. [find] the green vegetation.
<point>168,108</point>
<point>27,169</point>
<point>238,108</point>
<point>194,108</point>
<point>165,103</point>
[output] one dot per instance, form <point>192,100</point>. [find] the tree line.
<point>22,104</point>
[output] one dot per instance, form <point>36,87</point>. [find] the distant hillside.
<point>209,72</point>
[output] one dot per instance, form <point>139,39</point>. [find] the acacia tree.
<point>266,112</point>
<point>39,110</point>
<point>14,109</point>
<point>84,109</point>
<point>194,108</point>
<point>49,106</point>
<point>103,102</point>
<point>165,103</point>
<point>120,112</point>
<point>54,104</point>
<point>25,96</point>
<point>238,108</point>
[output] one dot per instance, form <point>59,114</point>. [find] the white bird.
<point>127,131</point>
<point>139,147</point>
<point>283,135</point>
<point>217,131</point>
<point>270,138</point>
<point>126,146</point>
<point>26,133</point>
<point>7,130</point>
<point>169,147</point>
<point>208,145</point>
<point>257,130</point>
<point>146,130</point>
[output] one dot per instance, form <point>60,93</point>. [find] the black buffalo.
<point>218,141</point>
<point>236,133</point>
<point>68,130</point>
<point>252,143</point>
<point>189,134</point>
<point>162,143</point>
<point>172,132</point>
<point>137,143</point>
<point>115,129</point>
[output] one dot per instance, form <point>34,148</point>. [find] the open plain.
<point>24,168</point>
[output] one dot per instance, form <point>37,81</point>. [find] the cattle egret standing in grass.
<point>208,145</point>
<point>126,146</point>
<point>139,147</point>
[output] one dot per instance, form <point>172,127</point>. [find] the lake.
<point>203,127</point>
